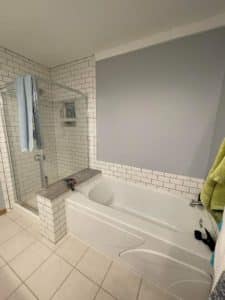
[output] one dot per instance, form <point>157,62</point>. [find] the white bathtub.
<point>150,230</point>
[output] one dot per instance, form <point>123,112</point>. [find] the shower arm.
<point>11,83</point>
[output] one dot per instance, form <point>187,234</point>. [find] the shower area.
<point>64,133</point>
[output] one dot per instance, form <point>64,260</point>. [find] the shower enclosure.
<point>64,131</point>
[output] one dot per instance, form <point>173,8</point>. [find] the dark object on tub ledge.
<point>71,182</point>
<point>207,241</point>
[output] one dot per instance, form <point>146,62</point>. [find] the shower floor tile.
<point>32,203</point>
<point>33,268</point>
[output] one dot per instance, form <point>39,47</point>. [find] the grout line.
<point>1,244</point>
<point>20,279</point>
<point>73,268</point>
<point>34,240</point>
<point>23,282</point>
<point>14,291</point>
<point>81,257</point>
<point>32,292</point>
<point>59,287</point>
<point>22,251</point>
<point>106,273</point>
<point>139,289</point>
<point>98,290</point>
<point>44,261</point>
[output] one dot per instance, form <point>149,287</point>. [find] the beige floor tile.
<point>150,291</point>
<point>22,293</point>
<point>8,282</point>
<point>8,228</point>
<point>77,287</point>
<point>47,279</point>
<point>71,250</point>
<point>121,282</point>
<point>2,262</point>
<point>13,214</point>
<point>102,295</point>
<point>34,229</point>
<point>94,265</point>
<point>25,221</point>
<point>15,245</point>
<point>30,259</point>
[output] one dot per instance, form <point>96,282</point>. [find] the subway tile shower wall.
<point>81,75</point>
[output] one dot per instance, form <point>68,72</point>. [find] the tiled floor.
<point>33,268</point>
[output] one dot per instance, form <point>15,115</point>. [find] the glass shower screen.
<point>65,139</point>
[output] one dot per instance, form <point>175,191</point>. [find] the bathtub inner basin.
<point>162,208</point>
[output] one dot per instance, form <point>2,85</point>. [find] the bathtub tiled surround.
<point>51,206</point>
<point>39,270</point>
<point>81,74</point>
<point>52,215</point>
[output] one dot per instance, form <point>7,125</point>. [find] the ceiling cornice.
<point>173,33</point>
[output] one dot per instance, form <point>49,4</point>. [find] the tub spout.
<point>194,203</point>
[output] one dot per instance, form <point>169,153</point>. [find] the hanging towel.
<point>213,192</point>
<point>29,124</point>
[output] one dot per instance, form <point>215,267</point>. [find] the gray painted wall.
<point>219,131</point>
<point>156,107</point>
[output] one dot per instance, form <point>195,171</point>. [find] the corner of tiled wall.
<point>81,74</point>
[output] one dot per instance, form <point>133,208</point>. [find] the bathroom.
<point>131,116</point>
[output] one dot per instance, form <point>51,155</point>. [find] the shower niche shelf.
<point>68,114</point>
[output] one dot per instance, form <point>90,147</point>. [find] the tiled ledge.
<point>51,206</point>
<point>60,187</point>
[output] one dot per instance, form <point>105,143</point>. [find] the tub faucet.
<point>195,203</point>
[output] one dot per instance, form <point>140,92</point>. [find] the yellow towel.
<point>213,191</point>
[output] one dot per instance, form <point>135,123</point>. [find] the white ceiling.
<point>56,31</point>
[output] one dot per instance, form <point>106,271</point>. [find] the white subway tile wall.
<point>71,142</point>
